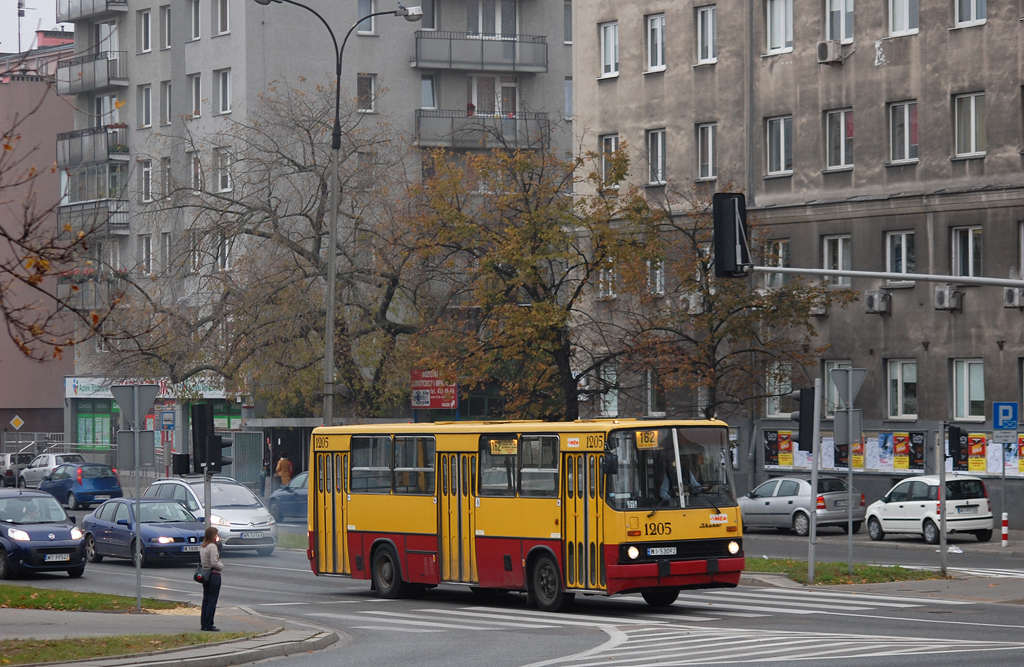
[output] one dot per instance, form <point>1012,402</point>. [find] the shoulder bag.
<point>202,574</point>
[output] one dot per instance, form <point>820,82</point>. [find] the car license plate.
<point>190,547</point>
<point>51,558</point>
<point>102,496</point>
<point>970,509</point>
<point>661,551</point>
<point>842,503</point>
<point>251,536</point>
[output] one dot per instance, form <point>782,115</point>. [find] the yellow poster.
<point>976,452</point>
<point>1020,453</point>
<point>858,454</point>
<point>901,451</point>
<point>785,448</point>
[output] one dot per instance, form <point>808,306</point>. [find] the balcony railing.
<point>69,11</point>
<point>105,217</point>
<point>486,53</point>
<point>96,144</point>
<point>458,129</point>
<point>93,72</point>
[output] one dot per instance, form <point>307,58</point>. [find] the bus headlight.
<point>734,548</point>
<point>633,553</point>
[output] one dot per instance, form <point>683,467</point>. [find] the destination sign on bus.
<point>506,447</point>
<point>646,439</point>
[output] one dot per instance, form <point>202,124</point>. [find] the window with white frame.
<point>145,106</point>
<point>492,94</point>
<point>970,12</point>
<point>165,103</point>
<point>606,279</point>
<point>146,254</point>
<point>223,25</point>
<point>967,251</point>
<point>166,185</point>
<point>429,20</point>
<point>833,401</point>
<point>780,25</point>
<point>165,252</point>
<point>902,388</point>
<point>224,247</point>
<point>655,43</point>
<point>902,17</point>
<point>488,17</point>
<point>195,256</point>
<point>707,147</point>
<point>778,387</point>
<point>194,15</point>
<point>223,79</point>
<point>839,20</point>
<point>145,31</point>
<point>656,276</point>
<point>656,156</point>
<point>899,252</point>
<point>146,179</point>
<point>428,96</point>
<point>365,9</point>
<point>970,124</point>
<point>836,253</point>
<point>840,138</point>
<point>165,27</point>
<point>655,395</point>
<point>365,89</point>
<point>222,166</point>
<point>609,146</point>
<point>609,48</point>
<point>195,91</point>
<point>196,174</point>
<point>969,389</point>
<point>707,35</point>
<point>903,131</point>
<point>567,22</point>
<point>609,398</point>
<point>780,145</point>
<point>776,254</point>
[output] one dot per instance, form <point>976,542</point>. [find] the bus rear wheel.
<point>660,597</point>
<point>387,574</point>
<point>547,586</point>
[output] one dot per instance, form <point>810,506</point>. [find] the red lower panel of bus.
<point>416,553</point>
<point>500,560</point>
<point>695,573</point>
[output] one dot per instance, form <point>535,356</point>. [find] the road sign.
<point>126,450</point>
<point>847,427</point>
<point>841,379</point>
<point>1004,416</point>
<point>17,422</point>
<point>126,401</point>
<point>167,420</point>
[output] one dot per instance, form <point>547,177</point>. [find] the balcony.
<point>458,129</point>
<point>92,73</point>
<point>69,11</point>
<point>96,144</point>
<point>481,53</point>
<point>106,217</point>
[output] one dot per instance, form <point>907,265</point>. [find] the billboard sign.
<point>431,392</point>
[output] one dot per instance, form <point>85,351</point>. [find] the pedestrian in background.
<point>209,557</point>
<point>284,470</point>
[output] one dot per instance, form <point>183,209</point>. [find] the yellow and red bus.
<point>548,508</point>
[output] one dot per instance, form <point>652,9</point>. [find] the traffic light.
<point>206,446</point>
<point>804,416</point>
<point>732,252</point>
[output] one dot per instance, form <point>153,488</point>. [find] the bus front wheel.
<point>387,574</point>
<point>547,586</point>
<point>660,597</point>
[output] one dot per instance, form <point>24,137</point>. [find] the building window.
<point>903,131</point>
<point>776,254</point>
<point>969,389</point>
<point>194,11</point>
<point>780,145</point>
<point>429,20</point>
<point>656,156</point>
<point>655,395</point>
<point>428,98</point>
<point>146,178</point>
<point>609,146</point>
<point>223,78</point>
<point>223,25</point>
<point>970,12</point>
<point>606,279</point>
<point>839,20</point>
<point>840,138</point>
<point>145,32</point>
<point>196,172</point>
<point>567,22</point>
<point>609,398</point>
<point>222,165</point>
<point>195,90</point>
<point>970,124</point>
<point>609,49</point>
<point>902,389</point>
<point>165,106</point>
<point>778,387</point>
<point>837,258</point>
<point>165,252</point>
<point>165,27</point>
<point>656,277</point>
<point>707,139</point>
<point>655,43</point>
<point>568,98</point>
<point>146,106</point>
<point>899,252</point>
<point>167,186</point>
<point>365,92</point>
<point>224,253</point>
<point>707,35</point>
<point>902,17</point>
<point>487,17</point>
<point>146,254</point>
<point>780,26</point>
<point>967,251</point>
<point>365,9</point>
<point>832,400</point>
<point>491,94</point>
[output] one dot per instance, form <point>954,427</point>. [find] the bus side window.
<point>320,473</point>
<point>337,472</point>
<point>538,477</point>
<point>371,464</point>
<point>414,465</point>
<point>593,476</point>
<point>499,465</point>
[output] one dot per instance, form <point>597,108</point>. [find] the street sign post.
<point>848,382</point>
<point>1004,432</point>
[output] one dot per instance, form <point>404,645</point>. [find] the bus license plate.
<point>251,536</point>
<point>972,509</point>
<point>661,551</point>
<point>50,558</point>
<point>190,547</point>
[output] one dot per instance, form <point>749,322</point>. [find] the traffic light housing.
<point>207,447</point>
<point>804,416</point>
<point>732,251</point>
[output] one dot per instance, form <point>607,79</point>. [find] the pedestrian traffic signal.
<point>804,416</point>
<point>207,447</point>
<point>732,252</point>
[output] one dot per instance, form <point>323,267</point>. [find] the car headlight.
<point>19,535</point>
<point>734,548</point>
<point>219,521</point>
<point>271,520</point>
<point>163,540</point>
<point>76,534</point>
<point>633,553</point>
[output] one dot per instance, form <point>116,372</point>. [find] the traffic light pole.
<point>849,474</point>
<point>815,449</point>
<point>138,513</point>
<point>942,497</point>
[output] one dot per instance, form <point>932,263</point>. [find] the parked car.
<point>912,507</point>
<point>11,465</point>
<point>43,465</point>
<point>785,503</point>
<point>36,535</point>
<point>169,531</point>
<point>239,516</point>
<point>82,484</point>
<point>290,500</point>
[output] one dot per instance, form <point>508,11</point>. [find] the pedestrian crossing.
<point>981,572</point>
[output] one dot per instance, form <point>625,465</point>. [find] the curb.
<point>768,580</point>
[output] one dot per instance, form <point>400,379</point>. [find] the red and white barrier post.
<point>1006,529</point>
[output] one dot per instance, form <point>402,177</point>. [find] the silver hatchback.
<point>785,503</point>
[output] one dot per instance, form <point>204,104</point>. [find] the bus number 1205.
<point>658,528</point>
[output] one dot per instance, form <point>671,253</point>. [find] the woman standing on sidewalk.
<point>209,557</point>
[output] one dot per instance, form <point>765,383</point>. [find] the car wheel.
<point>75,573</point>
<point>73,502</point>
<point>660,597</point>
<point>91,554</point>
<point>387,574</point>
<point>856,527</point>
<point>983,535</point>
<point>801,524</point>
<point>547,586</point>
<point>22,483</point>
<point>5,565</point>
<point>266,551</point>
<point>875,531</point>
<point>931,532</point>
<point>275,511</point>
<point>138,558</point>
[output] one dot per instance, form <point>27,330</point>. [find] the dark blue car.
<point>290,500</point>
<point>36,535</point>
<point>81,484</point>
<point>169,531</point>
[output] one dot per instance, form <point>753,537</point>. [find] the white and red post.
<point>1006,529</point>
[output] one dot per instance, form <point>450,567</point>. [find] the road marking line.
<point>389,628</point>
<point>394,614</point>
<point>450,626</point>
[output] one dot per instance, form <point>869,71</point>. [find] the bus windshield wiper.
<point>704,494</point>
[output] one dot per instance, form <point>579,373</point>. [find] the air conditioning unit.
<point>830,51</point>
<point>819,308</point>
<point>1012,297</point>
<point>876,301</point>
<point>947,298</point>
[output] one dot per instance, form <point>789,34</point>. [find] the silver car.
<point>785,503</point>
<point>43,465</point>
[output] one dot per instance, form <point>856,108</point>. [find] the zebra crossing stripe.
<point>363,618</point>
<point>867,598</point>
<point>702,603</point>
<point>509,624</point>
<point>753,598</point>
<point>576,619</point>
<point>830,597</point>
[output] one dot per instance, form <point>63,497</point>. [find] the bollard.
<point>1006,529</point>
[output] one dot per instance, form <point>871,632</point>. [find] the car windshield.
<point>965,489</point>
<point>169,512</point>
<point>654,461</point>
<point>31,509</point>
<point>228,495</point>
<point>97,472</point>
<point>831,485</point>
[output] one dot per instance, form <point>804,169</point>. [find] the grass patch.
<point>292,541</point>
<point>838,573</point>
<point>26,651</point>
<point>28,597</point>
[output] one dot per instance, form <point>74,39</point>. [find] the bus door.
<point>458,517</point>
<point>328,511</point>
<point>582,521</point>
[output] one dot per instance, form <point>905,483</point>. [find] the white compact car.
<point>912,507</point>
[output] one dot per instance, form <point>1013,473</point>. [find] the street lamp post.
<point>411,14</point>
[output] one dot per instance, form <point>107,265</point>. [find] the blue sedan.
<point>169,531</point>
<point>81,484</point>
<point>36,535</point>
<point>290,500</point>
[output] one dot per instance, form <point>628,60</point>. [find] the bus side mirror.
<point>610,463</point>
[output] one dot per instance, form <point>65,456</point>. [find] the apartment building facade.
<point>877,136</point>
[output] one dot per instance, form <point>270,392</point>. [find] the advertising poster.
<point>976,452</point>
<point>959,454</point>
<point>1020,453</point>
<point>786,448</point>
<point>917,450</point>
<point>842,454</point>
<point>996,458</point>
<point>828,452</point>
<point>885,452</point>
<point>771,448</point>
<point>1011,459</point>
<point>901,451</point>
<point>871,451</point>
<point>858,455</point>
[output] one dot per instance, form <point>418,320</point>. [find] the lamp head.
<point>267,2</point>
<point>411,14</point>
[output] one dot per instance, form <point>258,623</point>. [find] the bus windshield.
<point>670,468</point>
